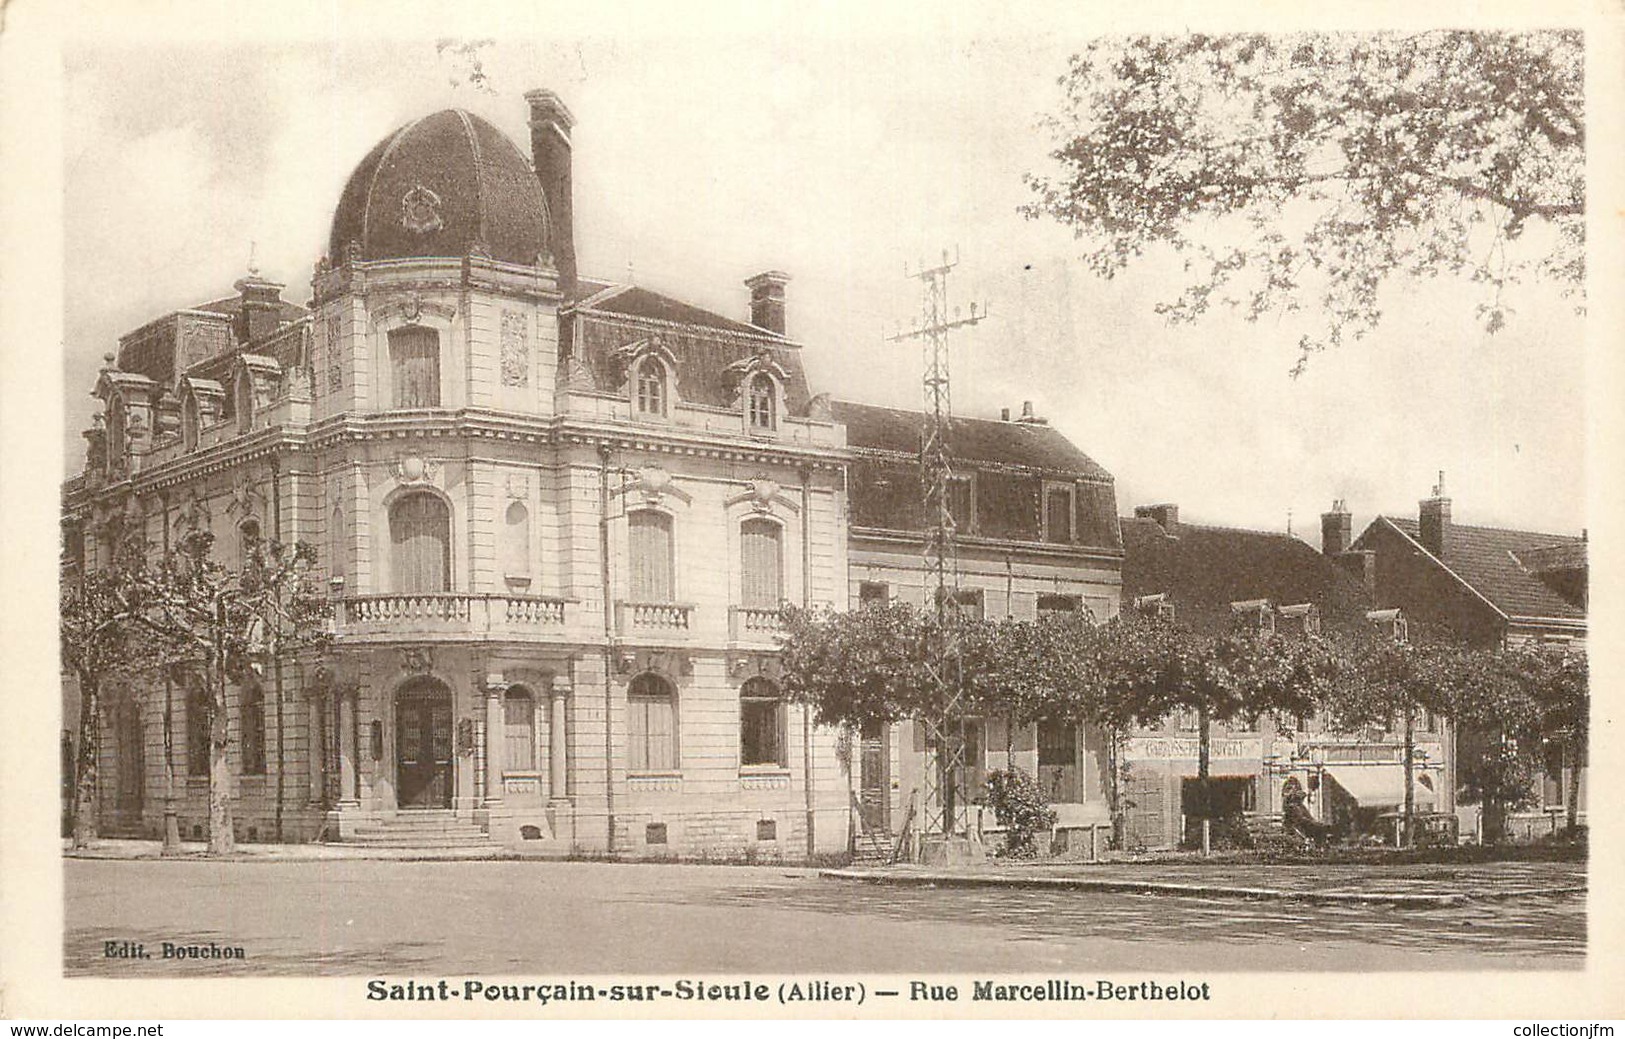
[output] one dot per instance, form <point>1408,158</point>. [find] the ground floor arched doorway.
<point>423,744</point>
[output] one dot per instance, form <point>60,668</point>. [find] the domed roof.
<point>436,186</point>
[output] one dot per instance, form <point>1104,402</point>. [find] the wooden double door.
<point>423,746</point>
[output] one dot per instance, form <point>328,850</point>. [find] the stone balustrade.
<point>457,614</point>
<point>654,618</point>
<point>755,624</point>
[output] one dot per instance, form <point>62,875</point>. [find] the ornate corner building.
<point>557,518</point>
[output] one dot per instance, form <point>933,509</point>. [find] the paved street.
<point>350,917</point>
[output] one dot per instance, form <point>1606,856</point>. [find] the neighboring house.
<point>1036,533</point>
<point>1487,586</point>
<point>1212,578</point>
<point>557,518</point>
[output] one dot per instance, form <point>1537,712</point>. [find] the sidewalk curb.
<point>1158,887</point>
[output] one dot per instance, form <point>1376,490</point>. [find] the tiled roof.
<point>1025,444</point>
<point>1205,569</point>
<point>1488,558</point>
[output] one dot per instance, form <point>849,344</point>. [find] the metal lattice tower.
<point>946,730</point>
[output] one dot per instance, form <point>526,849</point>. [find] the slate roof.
<point>460,178</point>
<point>637,301</point>
<point>1488,559</point>
<point>1025,444</point>
<point>1205,569</point>
<point>704,345</point>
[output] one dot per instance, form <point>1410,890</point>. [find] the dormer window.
<point>1155,607</point>
<point>1254,615</point>
<point>1059,508</point>
<point>763,404</point>
<point>116,432</point>
<point>1391,623</point>
<point>245,402</point>
<point>1304,617</point>
<point>191,420</point>
<point>651,388</point>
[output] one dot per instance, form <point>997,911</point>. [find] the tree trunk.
<point>1204,736</point>
<point>1576,755</point>
<point>1114,787</point>
<point>222,839</point>
<point>85,800</point>
<point>1408,836</point>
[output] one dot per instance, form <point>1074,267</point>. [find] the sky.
<point>701,160</point>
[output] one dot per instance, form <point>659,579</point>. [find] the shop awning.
<point>1382,786</point>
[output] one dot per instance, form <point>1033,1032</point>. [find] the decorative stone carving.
<point>335,363</point>
<point>417,660</point>
<point>414,469</point>
<point>762,493</point>
<point>420,210</point>
<point>653,481</point>
<point>518,486</point>
<point>413,305</point>
<point>515,349</point>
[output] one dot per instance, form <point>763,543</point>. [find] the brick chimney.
<point>1165,516</point>
<point>1336,529</point>
<point>261,302</point>
<point>1434,520</point>
<point>1029,417</point>
<point>767,300</point>
<point>550,124</point>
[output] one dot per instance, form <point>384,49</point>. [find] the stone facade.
<point>556,519</point>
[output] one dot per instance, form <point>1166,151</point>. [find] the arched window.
<point>519,730</point>
<point>651,388</point>
<point>197,727</point>
<point>248,538</point>
<point>516,545</point>
<point>763,403</point>
<point>651,725</point>
<point>245,402</point>
<point>130,747</point>
<point>420,544</point>
<point>761,563</point>
<point>337,543</point>
<point>414,357</point>
<point>762,725</point>
<point>252,718</point>
<point>191,420</point>
<point>650,550</point>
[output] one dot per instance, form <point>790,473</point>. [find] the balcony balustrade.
<point>662,619</point>
<point>755,624</point>
<point>452,614</point>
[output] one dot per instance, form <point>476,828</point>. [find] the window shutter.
<point>651,562</point>
<point>519,723</point>
<point>420,536</point>
<point>415,359</point>
<point>763,563</point>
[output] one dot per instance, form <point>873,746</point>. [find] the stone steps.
<point>426,831</point>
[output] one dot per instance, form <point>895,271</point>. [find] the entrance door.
<point>873,786</point>
<point>1058,772</point>
<point>423,746</point>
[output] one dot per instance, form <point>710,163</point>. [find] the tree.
<point>1133,661</point>
<point>1498,727</point>
<point>98,641</point>
<point>1557,682</point>
<point>1387,679</point>
<point>858,666</point>
<point>221,622</point>
<point>1327,164</point>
